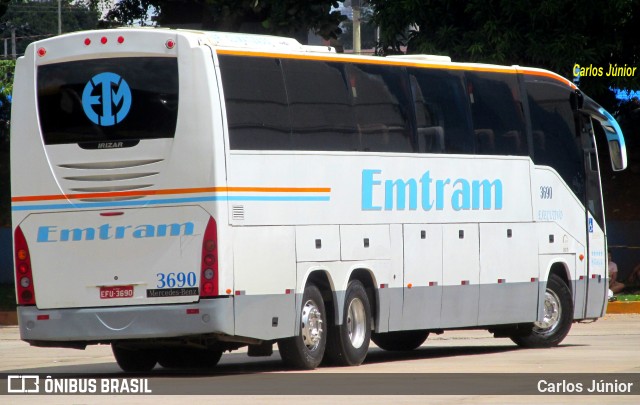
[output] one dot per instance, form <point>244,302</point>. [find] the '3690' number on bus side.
<point>173,280</point>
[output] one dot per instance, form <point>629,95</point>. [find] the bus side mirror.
<point>615,152</point>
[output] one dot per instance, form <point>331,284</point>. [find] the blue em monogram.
<point>112,93</point>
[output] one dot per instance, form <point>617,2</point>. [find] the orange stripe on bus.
<point>397,62</point>
<point>173,191</point>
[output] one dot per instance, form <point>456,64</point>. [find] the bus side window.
<point>256,100</point>
<point>320,106</point>
<point>381,104</point>
<point>555,140</point>
<point>442,114</point>
<point>498,120</point>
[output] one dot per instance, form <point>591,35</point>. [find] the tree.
<point>37,20</point>
<point>280,17</point>
<point>552,34</point>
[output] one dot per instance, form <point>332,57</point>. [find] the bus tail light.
<point>209,263</point>
<point>24,276</point>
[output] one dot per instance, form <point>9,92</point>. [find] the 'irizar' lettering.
<point>52,233</point>
<point>400,194</point>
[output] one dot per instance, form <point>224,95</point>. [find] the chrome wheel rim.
<point>356,322</point>
<point>311,325</point>
<point>552,314</point>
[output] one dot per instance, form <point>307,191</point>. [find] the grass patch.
<point>628,297</point>
<point>7,297</point>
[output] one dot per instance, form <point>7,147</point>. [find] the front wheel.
<point>348,343</point>
<point>405,340</point>
<point>556,321</point>
<point>306,350</point>
<point>133,359</point>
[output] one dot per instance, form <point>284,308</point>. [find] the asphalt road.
<point>479,364</point>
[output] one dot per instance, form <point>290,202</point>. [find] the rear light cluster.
<point>24,276</point>
<point>104,40</point>
<point>209,267</point>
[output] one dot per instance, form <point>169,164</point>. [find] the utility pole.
<point>355,6</point>
<point>13,43</point>
<point>59,17</point>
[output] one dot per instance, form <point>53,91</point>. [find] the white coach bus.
<point>179,194</point>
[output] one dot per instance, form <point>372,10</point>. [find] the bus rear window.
<point>117,99</point>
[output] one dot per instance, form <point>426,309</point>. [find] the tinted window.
<point>108,100</point>
<point>320,106</point>
<point>382,108</point>
<point>497,114</point>
<point>441,108</point>
<point>555,141</point>
<point>256,100</point>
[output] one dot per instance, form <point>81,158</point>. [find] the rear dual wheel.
<point>131,359</point>
<point>187,357</point>
<point>306,350</point>
<point>348,343</point>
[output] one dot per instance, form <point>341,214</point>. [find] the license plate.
<point>117,291</point>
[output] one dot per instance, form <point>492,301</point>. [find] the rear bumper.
<point>135,322</point>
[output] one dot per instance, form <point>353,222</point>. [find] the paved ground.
<point>608,348</point>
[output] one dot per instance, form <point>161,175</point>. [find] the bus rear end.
<point>114,171</point>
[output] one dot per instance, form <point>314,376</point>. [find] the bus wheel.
<point>401,341</point>
<point>306,350</point>
<point>557,319</point>
<point>348,343</point>
<point>188,358</point>
<point>134,360</point>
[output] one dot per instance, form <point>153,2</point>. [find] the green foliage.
<point>552,34</point>
<point>280,17</point>
<point>37,20</point>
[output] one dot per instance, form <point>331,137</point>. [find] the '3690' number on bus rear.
<point>176,280</point>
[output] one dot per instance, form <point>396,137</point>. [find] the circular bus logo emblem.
<point>106,99</point>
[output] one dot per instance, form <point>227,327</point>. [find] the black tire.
<point>133,359</point>
<point>184,357</point>
<point>306,350</point>
<point>347,344</point>
<point>558,309</point>
<point>400,341</point>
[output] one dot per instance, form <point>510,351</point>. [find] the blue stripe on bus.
<point>166,201</point>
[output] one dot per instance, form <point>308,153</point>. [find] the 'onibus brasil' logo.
<point>106,99</point>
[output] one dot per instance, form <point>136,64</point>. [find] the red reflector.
<point>501,280</point>
<point>103,40</point>
<point>42,52</point>
<point>193,311</point>
<point>170,44</point>
<point>42,317</point>
<point>120,39</point>
<point>592,276</point>
<point>464,282</point>
<point>288,291</point>
<point>581,277</point>
<point>87,41</point>
<point>111,214</point>
<point>533,279</point>
<point>432,283</point>
<point>23,268</point>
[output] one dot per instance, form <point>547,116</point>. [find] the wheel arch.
<point>367,278</point>
<point>561,269</point>
<point>321,278</point>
